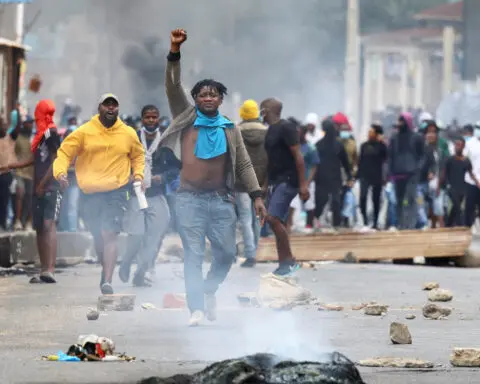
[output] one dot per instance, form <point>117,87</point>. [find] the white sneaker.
<point>307,231</point>
<point>28,227</point>
<point>150,275</point>
<point>196,318</point>
<point>393,229</point>
<point>211,307</point>
<point>17,226</point>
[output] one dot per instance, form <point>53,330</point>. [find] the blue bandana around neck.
<point>211,140</point>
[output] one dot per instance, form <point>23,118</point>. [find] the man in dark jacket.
<point>406,156</point>
<point>253,134</point>
<point>328,179</point>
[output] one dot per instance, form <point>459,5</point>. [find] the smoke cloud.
<point>288,49</point>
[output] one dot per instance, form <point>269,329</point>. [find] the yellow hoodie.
<point>105,157</point>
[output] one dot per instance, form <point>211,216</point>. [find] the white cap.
<point>425,116</point>
<point>107,96</point>
<point>311,118</point>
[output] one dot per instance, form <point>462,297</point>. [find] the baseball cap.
<point>106,96</point>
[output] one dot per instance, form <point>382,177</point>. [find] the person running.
<point>146,228</point>
<point>373,154</point>
<point>286,178</point>
<point>107,151</point>
<point>46,195</point>
<point>456,168</point>
<point>213,157</point>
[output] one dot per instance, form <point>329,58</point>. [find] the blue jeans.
<point>203,215</point>
<point>249,224</point>
<point>391,205</point>
<point>422,196</point>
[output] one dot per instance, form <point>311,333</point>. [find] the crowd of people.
<point>203,176</point>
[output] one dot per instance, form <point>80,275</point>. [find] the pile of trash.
<point>18,269</point>
<point>90,348</point>
<point>264,368</point>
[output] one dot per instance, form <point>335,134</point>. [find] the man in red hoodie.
<point>46,197</point>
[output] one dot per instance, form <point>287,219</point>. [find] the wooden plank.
<point>385,245</point>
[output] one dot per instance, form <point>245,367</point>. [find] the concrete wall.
<point>8,14</point>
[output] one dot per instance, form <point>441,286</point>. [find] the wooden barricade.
<point>381,245</point>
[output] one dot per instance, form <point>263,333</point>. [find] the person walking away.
<point>406,156</point>
<point>253,135</point>
<point>24,177</point>
<point>328,179</point>
<point>107,152</point>
<point>472,152</point>
<point>213,156</point>
<point>456,168</point>
<point>314,133</point>
<point>311,160</point>
<point>7,156</point>
<point>46,196</point>
<point>373,155</point>
<point>286,178</point>
<point>146,228</point>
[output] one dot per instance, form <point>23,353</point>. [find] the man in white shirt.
<point>472,151</point>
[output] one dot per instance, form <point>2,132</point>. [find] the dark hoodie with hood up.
<point>333,157</point>
<point>253,134</point>
<point>406,151</point>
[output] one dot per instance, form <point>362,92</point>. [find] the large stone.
<point>375,309</point>
<point>116,302</point>
<point>471,258</point>
<point>395,362</point>
<point>465,357</point>
<point>273,288</point>
<point>430,285</point>
<point>399,334</point>
<point>435,312</point>
<point>439,294</point>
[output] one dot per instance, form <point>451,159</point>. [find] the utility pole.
<point>352,66</point>
<point>19,22</point>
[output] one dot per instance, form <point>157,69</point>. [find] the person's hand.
<point>40,190</point>
<point>4,169</point>
<point>156,179</point>
<point>260,210</point>
<point>177,38</point>
<point>63,181</point>
<point>478,184</point>
<point>430,176</point>
<point>350,183</point>
<point>142,183</point>
<point>304,193</point>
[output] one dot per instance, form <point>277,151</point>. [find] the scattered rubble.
<point>280,305</point>
<point>330,307</point>
<point>333,368</point>
<point>18,269</point>
<point>359,307</point>
<point>410,316</point>
<point>248,299</point>
<point>375,310</point>
<point>394,362</point>
<point>435,312</point>
<point>430,285</point>
<point>439,294</point>
<point>399,334</point>
<point>308,265</point>
<point>465,357</point>
<point>93,314</point>
<point>116,302</point>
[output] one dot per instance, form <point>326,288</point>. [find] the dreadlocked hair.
<point>209,83</point>
<point>149,107</point>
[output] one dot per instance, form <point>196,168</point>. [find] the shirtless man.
<point>212,153</point>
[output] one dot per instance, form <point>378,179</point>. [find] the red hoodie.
<point>44,112</point>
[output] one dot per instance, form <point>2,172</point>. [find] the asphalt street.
<point>39,320</point>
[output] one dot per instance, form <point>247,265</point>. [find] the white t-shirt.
<point>472,151</point>
<point>315,137</point>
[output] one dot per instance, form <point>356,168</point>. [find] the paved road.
<point>39,320</point>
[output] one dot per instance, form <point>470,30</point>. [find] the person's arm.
<point>472,175</point>
<point>67,152</point>
<point>15,124</point>
<point>137,158</point>
<point>177,98</point>
<point>361,160</point>
<point>244,168</point>
<point>314,160</point>
<point>20,164</point>
<point>345,163</point>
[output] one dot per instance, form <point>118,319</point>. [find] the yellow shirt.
<point>106,157</point>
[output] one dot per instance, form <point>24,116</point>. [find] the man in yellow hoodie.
<point>107,153</point>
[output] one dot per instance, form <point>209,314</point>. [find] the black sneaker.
<point>107,289</point>
<point>286,269</point>
<point>140,281</point>
<point>124,273</point>
<point>48,277</point>
<point>249,263</point>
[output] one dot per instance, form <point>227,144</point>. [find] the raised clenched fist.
<point>178,37</point>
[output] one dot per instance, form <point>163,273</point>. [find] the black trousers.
<point>472,204</point>
<point>332,192</point>
<point>455,217</point>
<point>5,182</point>
<point>365,186</point>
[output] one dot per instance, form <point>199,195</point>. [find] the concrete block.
<point>117,302</point>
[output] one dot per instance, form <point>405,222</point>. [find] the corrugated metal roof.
<point>10,43</point>
<point>444,12</point>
